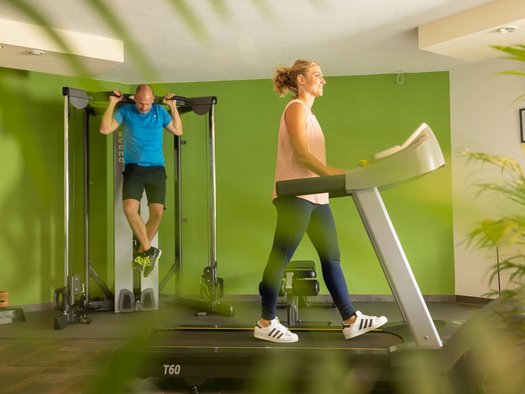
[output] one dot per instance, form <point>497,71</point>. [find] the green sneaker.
<point>138,262</point>
<point>150,260</point>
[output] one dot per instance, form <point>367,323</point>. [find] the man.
<point>144,122</point>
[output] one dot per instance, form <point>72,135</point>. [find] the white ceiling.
<point>213,40</point>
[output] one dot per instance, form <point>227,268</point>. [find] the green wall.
<point>31,196</point>
<point>360,115</point>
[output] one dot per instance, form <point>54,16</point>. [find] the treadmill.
<point>197,354</point>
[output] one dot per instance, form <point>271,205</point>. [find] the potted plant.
<point>506,231</point>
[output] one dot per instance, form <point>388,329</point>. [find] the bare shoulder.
<point>295,110</point>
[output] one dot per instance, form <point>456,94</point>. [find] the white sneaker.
<point>275,332</point>
<point>363,324</point>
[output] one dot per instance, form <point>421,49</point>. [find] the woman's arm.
<point>295,118</point>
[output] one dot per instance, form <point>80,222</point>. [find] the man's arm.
<point>108,124</point>
<point>175,127</point>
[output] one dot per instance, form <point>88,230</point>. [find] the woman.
<point>301,154</point>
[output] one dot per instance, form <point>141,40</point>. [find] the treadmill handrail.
<point>419,155</point>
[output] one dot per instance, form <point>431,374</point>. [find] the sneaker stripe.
<point>275,333</point>
<point>365,323</point>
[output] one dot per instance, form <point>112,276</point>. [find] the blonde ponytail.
<point>285,78</point>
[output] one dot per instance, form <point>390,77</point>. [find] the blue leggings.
<point>295,216</point>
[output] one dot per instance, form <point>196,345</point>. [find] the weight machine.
<point>133,292</point>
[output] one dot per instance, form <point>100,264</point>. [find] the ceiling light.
<point>507,29</point>
<point>36,52</point>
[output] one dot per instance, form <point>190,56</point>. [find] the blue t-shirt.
<point>143,134</point>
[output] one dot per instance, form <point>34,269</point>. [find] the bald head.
<point>144,98</point>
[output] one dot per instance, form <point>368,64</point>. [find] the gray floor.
<point>36,358</point>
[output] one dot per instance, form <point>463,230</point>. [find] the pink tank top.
<point>287,166</point>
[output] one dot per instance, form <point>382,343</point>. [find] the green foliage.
<point>508,312</point>
<point>514,52</point>
<point>508,230</point>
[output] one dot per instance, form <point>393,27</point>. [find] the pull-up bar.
<point>80,99</point>
<point>130,98</point>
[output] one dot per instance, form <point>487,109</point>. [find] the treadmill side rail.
<point>396,267</point>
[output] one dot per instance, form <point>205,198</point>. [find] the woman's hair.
<point>285,78</point>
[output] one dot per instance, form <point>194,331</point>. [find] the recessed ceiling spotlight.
<point>36,52</point>
<point>507,29</point>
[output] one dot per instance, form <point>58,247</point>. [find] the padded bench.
<point>299,282</point>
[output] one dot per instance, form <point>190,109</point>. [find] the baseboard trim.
<point>321,299</point>
<point>35,307</point>
<point>326,298</point>
<point>473,300</point>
